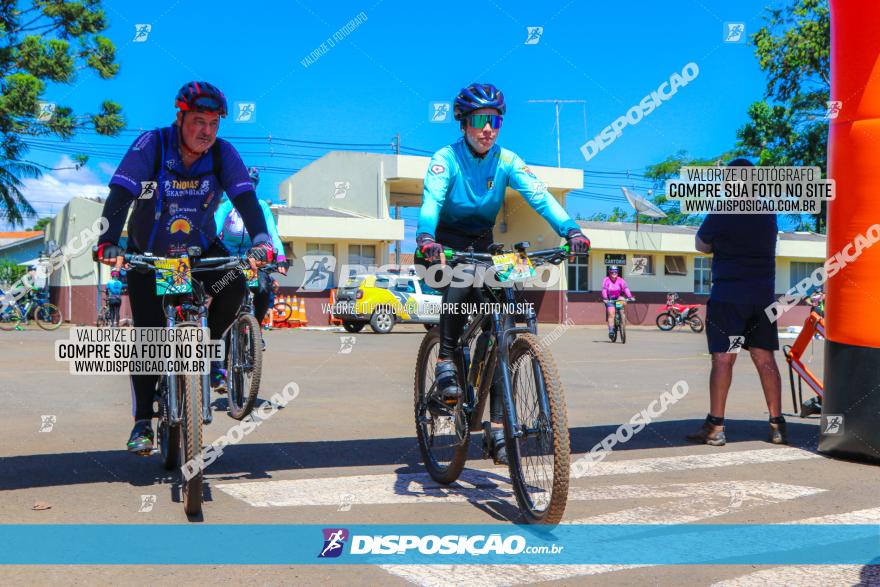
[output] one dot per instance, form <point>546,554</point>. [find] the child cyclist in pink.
<point>612,288</point>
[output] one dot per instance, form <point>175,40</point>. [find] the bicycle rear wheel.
<point>244,366</point>
<point>539,456</point>
<point>284,311</point>
<point>442,440</point>
<point>191,442</point>
<point>10,317</point>
<point>48,316</point>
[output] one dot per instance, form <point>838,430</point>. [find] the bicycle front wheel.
<point>10,317</point>
<point>48,316</point>
<point>538,451</point>
<point>442,440</point>
<point>191,442</point>
<point>623,327</point>
<point>244,366</point>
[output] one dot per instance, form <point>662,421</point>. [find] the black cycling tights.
<point>452,323</point>
<point>146,310</point>
<point>263,297</point>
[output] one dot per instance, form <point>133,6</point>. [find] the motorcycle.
<point>675,314</point>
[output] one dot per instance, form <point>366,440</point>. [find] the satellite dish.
<point>642,206</point>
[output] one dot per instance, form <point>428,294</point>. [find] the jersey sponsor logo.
<point>179,224</point>
<point>437,169</point>
<point>528,172</point>
<point>490,184</point>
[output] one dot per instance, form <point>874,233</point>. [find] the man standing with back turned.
<point>743,280</point>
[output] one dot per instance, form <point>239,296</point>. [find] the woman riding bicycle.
<point>175,177</point>
<point>612,287</point>
<point>463,192</point>
<point>235,238</point>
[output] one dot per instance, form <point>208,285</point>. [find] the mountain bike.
<point>46,315</point>
<point>620,319</point>
<point>493,347</point>
<point>184,399</point>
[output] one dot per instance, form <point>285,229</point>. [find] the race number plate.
<point>513,267</point>
<point>251,277</point>
<point>173,276</point>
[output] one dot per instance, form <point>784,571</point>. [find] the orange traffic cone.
<point>303,321</point>
<point>331,318</point>
<point>294,314</point>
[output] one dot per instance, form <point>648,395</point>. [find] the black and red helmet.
<point>201,97</point>
<point>477,96</point>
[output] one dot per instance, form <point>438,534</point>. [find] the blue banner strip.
<point>440,544</point>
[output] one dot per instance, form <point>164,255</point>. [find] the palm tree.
<point>14,207</point>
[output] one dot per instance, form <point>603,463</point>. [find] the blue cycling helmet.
<point>477,96</point>
<point>254,174</point>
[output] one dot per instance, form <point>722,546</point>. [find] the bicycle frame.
<point>497,324</point>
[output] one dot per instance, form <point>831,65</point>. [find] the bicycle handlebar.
<point>549,255</point>
<point>198,263</point>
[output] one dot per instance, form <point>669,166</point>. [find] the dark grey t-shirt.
<point>744,256</point>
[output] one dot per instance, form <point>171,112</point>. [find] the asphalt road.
<point>341,450</point>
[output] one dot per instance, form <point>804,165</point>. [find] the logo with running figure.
<point>334,541</point>
<point>734,32</point>
<point>831,424</point>
<point>438,112</point>
<point>736,343</point>
<point>534,34</point>
<point>318,275</point>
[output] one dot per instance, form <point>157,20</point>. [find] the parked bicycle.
<point>620,319</point>
<point>46,315</point>
<point>675,314</point>
<point>535,413</point>
<point>184,399</point>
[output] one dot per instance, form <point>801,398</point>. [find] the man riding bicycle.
<point>463,193</point>
<point>612,287</point>
<point>237,241</point>
<point>175,176</point>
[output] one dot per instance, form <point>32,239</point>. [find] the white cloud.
<point>49,193</point>
<point>107,168</point>
<point>67,173</point>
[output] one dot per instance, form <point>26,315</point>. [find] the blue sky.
<point>380,79</point>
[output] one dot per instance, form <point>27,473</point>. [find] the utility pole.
<point>557,102</point>
<point>396,145</point>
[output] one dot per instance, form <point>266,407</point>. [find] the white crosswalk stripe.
<point>474,484</point>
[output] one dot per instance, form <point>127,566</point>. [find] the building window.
<point>675,265</point>
<point>702,275</point>
<point>800,270</point>
<point>578,274</point>
<point>322,250</point>
<point>362,255</point>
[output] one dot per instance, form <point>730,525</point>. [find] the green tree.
<point>788,127</point>
<point>46,41</point>
<point>41,223</point>
<point>10,272</point>
<point>669,169</point>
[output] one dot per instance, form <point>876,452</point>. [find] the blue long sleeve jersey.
<point>232,232</point>
<point>467,192</point>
